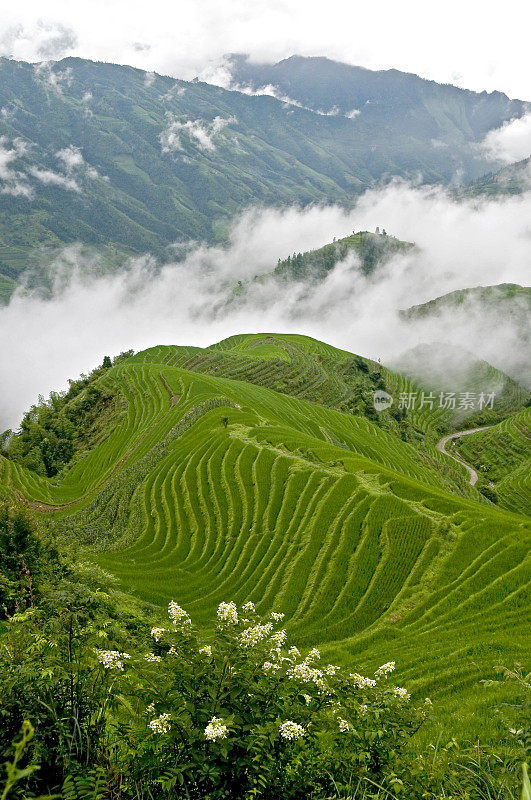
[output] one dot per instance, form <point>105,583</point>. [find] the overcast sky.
<point>478,44</point>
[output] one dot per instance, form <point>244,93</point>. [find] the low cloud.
<point>221,76</point>
<point>44,40</point>
<point>18,181</point>
<point>51,178</point>
<point>149,79</point>
<point>511,142</point>
<point>13,181</point>
<point>198,131</point>
<point>51,78</point>
<point>460,244</point>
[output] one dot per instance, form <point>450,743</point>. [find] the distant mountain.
<point>111,156</point>
<point>506,306</point>
<point>510,298</point>
<point>433,115</point>
<point>512,179</point>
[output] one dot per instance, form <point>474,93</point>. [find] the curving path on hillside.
<point>441,446</point>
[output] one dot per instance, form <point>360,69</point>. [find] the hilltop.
<point>257,469</point>
<point>372,249</point>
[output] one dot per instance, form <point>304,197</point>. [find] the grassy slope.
<point>210,488</point>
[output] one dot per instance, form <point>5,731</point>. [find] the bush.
<point>247,716</point>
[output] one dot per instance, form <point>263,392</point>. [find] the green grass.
<point>211,488</point>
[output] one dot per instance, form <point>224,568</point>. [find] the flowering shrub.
<point>247,715</point>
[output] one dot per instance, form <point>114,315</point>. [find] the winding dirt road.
<point>441,446</point>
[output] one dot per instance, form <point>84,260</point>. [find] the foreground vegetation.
<point>111,707</point>
<point>258,471</point>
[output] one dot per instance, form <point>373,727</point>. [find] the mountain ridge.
<point>103,155</point>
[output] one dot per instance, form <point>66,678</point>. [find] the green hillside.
<point>513,179</point>
<point>97,154</point>
<point>372,250</point>
<point>508,298</point>
<point>502,454</point>
<point>240,472</point>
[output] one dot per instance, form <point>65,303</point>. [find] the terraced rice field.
<point>503,455</point>
<point>210,488</point>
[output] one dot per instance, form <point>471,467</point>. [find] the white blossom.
<point>227,612</point>
<point>268,666</point>
<point>161,724</point>
<point>216,730</point>
<point>403,694</point>
<point>248,607</point>
<point>363,709</point>
<point>278,639</point>
<point>112,659</point>
<point>427,701</point>
<point>157,633</point>
<point>250,637</point>
<point>291,730</point>
<point>361,681</point>
<point>344,726</point>
<point>313,655</point>
<point>307,699</point>
<point>385,669</point>
<point>276,616</point>
<point>150,709</point>
<point>206,650</point>
<point>330,670</point>
<point>178,615</point>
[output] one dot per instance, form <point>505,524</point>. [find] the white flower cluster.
<point>112,659</point>
<point>152,657</point>
<point>331,670</point>
<point>344,726</point>
<point>269,666</point>
<point>248,607</point>
<point>385,669</point>
<point>161,724</point>
<point>363,709</point>
<point>228,613</point>
<point>402,693</point>
<point>278,640</point>
<point>250,637</point>
<point>216,730</point>
<point>206,650</point>
<point>276,617</point>
<point>291,730</point>
<point>178,615</point>
<point>361,681</point>
<point>157,633</point>
<point>306,673</point>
